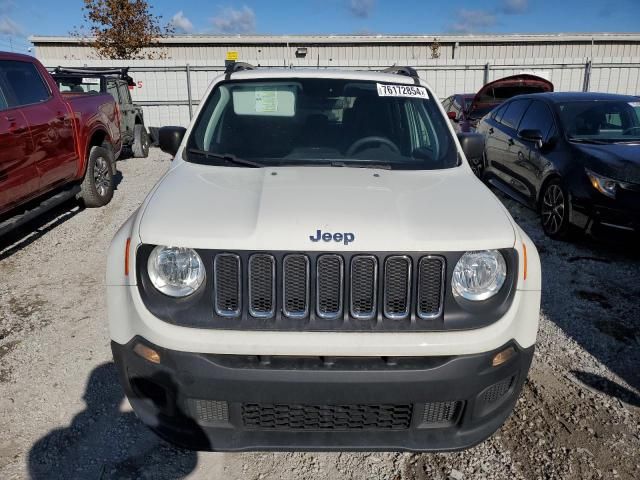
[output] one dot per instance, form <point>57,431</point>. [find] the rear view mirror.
<point>532,136</point>
<point>472,144</point>
<point>170,138</point>
<point>452,116</point>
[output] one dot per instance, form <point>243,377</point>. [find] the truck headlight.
<point>479,275</point>
<point>175,271</point>
<point>604,185</point>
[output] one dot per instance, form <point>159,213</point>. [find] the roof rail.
<point>233,67</point>
<point>400,70</point>
<point>122,73</point>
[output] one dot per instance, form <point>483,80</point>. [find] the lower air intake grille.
<point>329,280</point>
<point>227,284</point>
<point>441,413</point>
<point>497,390</point>
<point>208,411</point>
<point>326,417</point>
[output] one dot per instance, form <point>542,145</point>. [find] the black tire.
<point>555,210</point>
<point>97,186</point>
<point>140,146</point>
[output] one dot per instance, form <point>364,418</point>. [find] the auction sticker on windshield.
<point>402,91</point>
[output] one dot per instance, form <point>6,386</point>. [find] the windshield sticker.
<point>266,101</point>
<point>402,91</point>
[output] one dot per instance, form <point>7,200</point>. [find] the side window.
<point>3,100</point>
<point>498,112</point>
<point>537,117</point>
<point>123,89</point>
<point>23,83</point>
<point>112,89</point>
<point>446,104</point>
<point>513,113</point>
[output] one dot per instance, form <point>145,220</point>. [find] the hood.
<point>617,160</point>
<point>496,92</point>
<point>283,208</point>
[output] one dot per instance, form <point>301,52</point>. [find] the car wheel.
<point>141,142</point>
<point>555,210</point>
<point>97,186</point>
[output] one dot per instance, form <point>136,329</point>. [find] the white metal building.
<point>170,89</point>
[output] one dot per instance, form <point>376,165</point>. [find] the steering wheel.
<point>630,129</point>
<point>358,144</point>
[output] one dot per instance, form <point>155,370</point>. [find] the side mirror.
<point>472,144</point>
<point>532,136</point>
<point>170,138</point>
<point>452,116</point>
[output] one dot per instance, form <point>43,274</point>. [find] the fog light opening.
<point>503,356</point>
<point>147,353</point>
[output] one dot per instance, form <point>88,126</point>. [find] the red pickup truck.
<point>53,146</point>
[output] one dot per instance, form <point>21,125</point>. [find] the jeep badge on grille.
<point>345,238</point>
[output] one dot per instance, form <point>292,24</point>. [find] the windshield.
<point>322,122</point>
<point>601,121</point>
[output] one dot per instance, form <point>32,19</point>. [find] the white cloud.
<point>468,21</point>
<point>361,8</point>
<point>181,23</point>
<point>231,20</point>
<point>9,27</point>
<point>514,7</point>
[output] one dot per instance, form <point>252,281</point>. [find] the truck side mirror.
<point>472,144</point>
<point>532,136</point>
<point>170,138</point>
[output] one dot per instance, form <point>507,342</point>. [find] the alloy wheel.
<point>101,176</point>
<point>553,209</point>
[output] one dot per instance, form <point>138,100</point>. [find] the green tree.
<point>122,29</point>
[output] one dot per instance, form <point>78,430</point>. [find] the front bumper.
<point>240,402</point>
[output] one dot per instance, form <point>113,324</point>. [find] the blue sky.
<point>21,18</point>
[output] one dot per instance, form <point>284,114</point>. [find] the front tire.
<point>141,142</point>
<point>97,186</point>
<point>555,210</point>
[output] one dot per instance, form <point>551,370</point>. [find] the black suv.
<point>575,157</point>
<point>116,82</point>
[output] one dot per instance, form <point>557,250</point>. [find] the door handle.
<point>511,142</point>
<point>491,131</point>
<point>10,119</point>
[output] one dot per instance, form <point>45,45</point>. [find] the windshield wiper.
<point>227,157</point>
<point>381,166</point>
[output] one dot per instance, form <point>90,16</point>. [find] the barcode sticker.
<point>402,91</point>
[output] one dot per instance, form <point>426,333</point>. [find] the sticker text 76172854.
<point>402,91</point>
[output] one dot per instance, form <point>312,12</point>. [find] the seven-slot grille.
<point>318,285</point>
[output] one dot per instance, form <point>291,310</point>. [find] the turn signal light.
<point>524,250</point>
<point>126,257</point>
<point>147,353</point>
<point>503,356</point>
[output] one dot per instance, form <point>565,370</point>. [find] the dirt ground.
<point>63,415</point>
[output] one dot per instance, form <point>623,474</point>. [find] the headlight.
<point>604,185</point>
<point>175,271</point>
<point>479,275</point>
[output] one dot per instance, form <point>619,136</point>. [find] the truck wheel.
<point>97,187</point>
<point>140,145</point>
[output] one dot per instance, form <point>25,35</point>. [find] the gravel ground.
<point>62,412</point>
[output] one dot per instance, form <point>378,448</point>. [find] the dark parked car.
<point>573,156</point>
<point>466,109</point>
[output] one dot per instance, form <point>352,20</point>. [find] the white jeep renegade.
<point>320,269</point>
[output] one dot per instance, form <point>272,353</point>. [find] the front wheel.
<point>141,142</point>
<point>555,210</point>
<point>97,187</point>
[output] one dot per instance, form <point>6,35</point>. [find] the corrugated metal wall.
<point>461,67</point>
